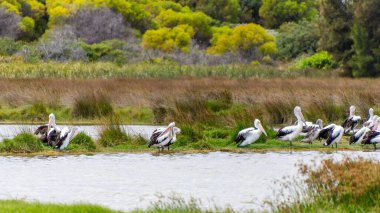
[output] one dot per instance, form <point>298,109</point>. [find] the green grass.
<point>18,206</point>
<point>22,143</point>
<point>108,70</point>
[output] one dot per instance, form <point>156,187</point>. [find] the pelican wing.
<point>369,136</point>
<point>41,130</point>
<point>62,136</point>
<point>156,133</point>
<point>285,131</point>
<point>243,134</point>
<point>355,137</point>
<point>325,132</point>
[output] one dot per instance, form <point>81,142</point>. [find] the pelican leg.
<point>168,147</point>
<point>336,145</point>
<point>374,147</point>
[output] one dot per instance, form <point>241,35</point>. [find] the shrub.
<point>37,112</point>
<point>113,133</point>
<point>267,59</point>
<point>22,143</point>
<point>9,46</point>
<point>9,23</point>
<point>82,141</point>
<point>321,60</point>
<point>246,40</point>
<point>111,50</point>
<point>61,44</point>
<point>91,105</point>
<point>169,39</point>
<point>295,39</point>
<point>189,135</point>
<point>98,24</point>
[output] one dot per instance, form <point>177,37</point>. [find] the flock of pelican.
<point>332,133</point>
<point>164,137</point>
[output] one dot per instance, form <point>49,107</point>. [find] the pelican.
<point>65,136</point>
<point>332,133</point>
<point>289,133</point>
<point>358,136</point>
<point>176,131</point>
<point>250,135</point>
<point>160,139</point>
<point>43,131</point>
<point>312,131</point>
<point>372,137</point>
<point>370,117</point>
<point>352,121</point>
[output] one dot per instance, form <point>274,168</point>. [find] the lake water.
<point>129,181</point>
<point>9,131</point>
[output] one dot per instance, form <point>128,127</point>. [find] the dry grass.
<point>271,99</point>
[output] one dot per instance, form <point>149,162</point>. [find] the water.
<point>10,131</point>
<point>129,181</point>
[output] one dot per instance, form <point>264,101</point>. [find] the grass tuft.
<point>91,106</point>
<point>22,143</point>
<point>82,142</point>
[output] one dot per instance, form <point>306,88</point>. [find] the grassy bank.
<point>108,70</point>
<point>351,185</point>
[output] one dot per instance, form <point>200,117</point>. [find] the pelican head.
<point>171,125</point>
<point>370,112</point>
<point>51,121</point>
<point>319,122</point>
<point>257,124</point>
<point>298,114</point>
<point>352,110</point>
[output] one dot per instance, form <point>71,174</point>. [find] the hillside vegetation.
<point>319,34</point>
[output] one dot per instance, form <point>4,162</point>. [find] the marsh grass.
<point>22,143</point>
<point>92,105</point>
<point>113,133</point>
<point>82,142</point>
<point>35,207</point>
<point>351,185</point>
<point>81,70</point>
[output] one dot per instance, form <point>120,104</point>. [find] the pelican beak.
<point>262,129</point>
<point>49,124</point>
<point>303,118</point>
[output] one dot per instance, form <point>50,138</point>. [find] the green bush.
<point>295,39</point>
<point>37,112</point>
<point>9,46</point>
<point>113,134</point>
<point>188,136</point>
<point>91,105</point>
<point>22,143</point>
<point>321,60</point>
<point>82,141</point>
<point>110,50</point>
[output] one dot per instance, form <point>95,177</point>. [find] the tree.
<point>250,10</point>
<point>299,38</point>
<point>276,12</point>
<point>335,24</point>
<point>9,24</point>
<point>248,40</point>
<point>365,35</point>
<point>169,39</point>
<point>223,10</point>
<point>98,24</point>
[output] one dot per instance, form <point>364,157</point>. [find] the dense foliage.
<point>192,32</point>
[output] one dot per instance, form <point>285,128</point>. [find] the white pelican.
<point>289,133</point>
<point>250,135</point>
<point>332,133</point>
<point>312,131</point>
<point>162,129</point>
<point>370,117</point>
<point>352,121</point>
<point>65,136</point>
<point>43,131</point>
<point>160,139</point>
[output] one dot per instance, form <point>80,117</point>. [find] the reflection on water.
<point>129,181</point>
<point>9,131</point>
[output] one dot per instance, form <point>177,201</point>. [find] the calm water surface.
<point>129,181</point>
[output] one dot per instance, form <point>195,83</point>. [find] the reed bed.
<point>190,100</point>
<point>108,70</point>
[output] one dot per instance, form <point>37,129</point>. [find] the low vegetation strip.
<point>108,70</point>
